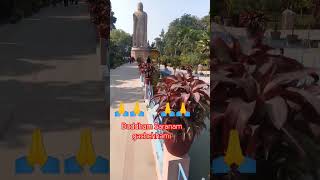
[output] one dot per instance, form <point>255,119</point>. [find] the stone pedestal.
<point>140,52</point>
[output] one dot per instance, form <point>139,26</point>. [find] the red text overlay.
<point>151,135</point>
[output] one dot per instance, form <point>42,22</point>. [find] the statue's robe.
<point>140,29</point>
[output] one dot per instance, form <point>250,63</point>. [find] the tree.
<point>113,21</point>
<point>160,42</point>
<point>205,21</point>
<point>182,33</point>
<point>203,45</point>
<point>186,42</point>
<point>120,47</point>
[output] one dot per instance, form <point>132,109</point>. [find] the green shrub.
<point>139,60</point>
<point>155,77</point>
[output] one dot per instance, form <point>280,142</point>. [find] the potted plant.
<point>140,65</point>
<point>194,93</point>
<point>275,34</point>
<point>275,107</point>
<point>140,68</point>
<point>255,23</point>
<point>147,70</point>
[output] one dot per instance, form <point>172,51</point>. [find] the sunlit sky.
<point>160,13</point>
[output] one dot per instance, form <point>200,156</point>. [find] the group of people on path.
<point>131,60</point>
<point>65,2</point>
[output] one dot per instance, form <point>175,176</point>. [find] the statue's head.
<point>140,6</point>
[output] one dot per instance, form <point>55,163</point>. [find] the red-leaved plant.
<point>273,102</point>
<point>141,67</point>
<point>100,16</point>
<point>194,93</point>
<point>147,69</point>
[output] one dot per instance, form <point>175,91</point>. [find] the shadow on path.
<point>46,37</point>
<point>51,106</point>
<point>49,41</point>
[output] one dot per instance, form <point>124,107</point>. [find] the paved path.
<point>50,79</point>
<point>130,160</point>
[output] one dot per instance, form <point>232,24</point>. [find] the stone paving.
<point>130,160</point>
<point>50,78</point>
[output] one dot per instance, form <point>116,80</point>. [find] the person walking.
<point>148,60</point>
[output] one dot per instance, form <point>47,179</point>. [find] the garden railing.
<point>181,173</point>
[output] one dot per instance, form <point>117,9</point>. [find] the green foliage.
<point>155,77</point>
<point>175,61</point>
<point>120,47</point>
<point>139,60</point>
<point>165,59</point>
<point>206,22</point>
<point>186,42</point>
<point>192,59</point>
<point>113,21</point>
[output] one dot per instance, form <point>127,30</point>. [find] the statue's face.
<point>140,6</point>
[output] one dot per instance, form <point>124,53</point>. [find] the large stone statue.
<point>140,19</point>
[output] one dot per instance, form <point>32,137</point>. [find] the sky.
<point>160,13</point>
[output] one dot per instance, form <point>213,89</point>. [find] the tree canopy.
<point>186,42</point>
<point>120,47</point>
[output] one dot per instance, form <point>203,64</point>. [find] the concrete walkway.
<point>130,160</point>
<point>50,79</point>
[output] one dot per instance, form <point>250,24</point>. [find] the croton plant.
<point>146,69</point>
<point>100,16</point>
<point>273,102</point>
<point>194,93</point>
